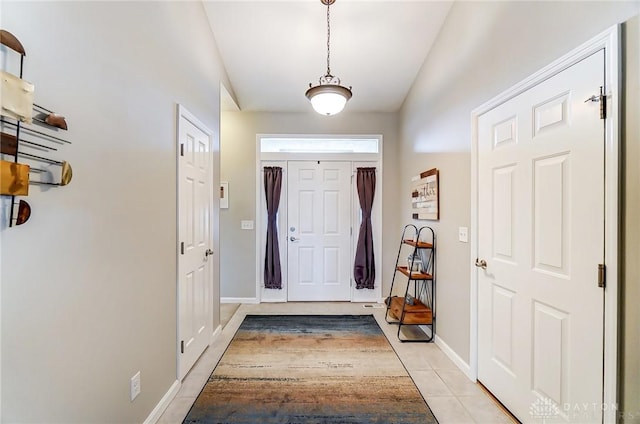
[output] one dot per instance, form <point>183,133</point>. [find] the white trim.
<point>612,156</point>
<point>274,300</point>
<point>247,300</point>
<point>473,295</point>
<point>259,226</point>
<point>157,412</point>
<point>451,354</point>
<point>215,334</point>
<point>609,41</point>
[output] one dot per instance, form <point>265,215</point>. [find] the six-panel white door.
<point>318,231</point>
<point>195,278</point>
<point>541,227</point>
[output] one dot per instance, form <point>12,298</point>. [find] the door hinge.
<point>602,99</point>
<point>182,248</point>
<point>181,346</point>
<point>351,231</point>
<point>182,149</point>
<point>603,104</point>
<point>602,275</point>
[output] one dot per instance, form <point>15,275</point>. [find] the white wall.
<point>238,139</point>
<point>89,283</point>
<point>483,49</point>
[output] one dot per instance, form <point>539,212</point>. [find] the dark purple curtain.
<point>364,268</point>
<point>272,187</point>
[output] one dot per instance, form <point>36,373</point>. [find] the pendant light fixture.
<point>328,97</point>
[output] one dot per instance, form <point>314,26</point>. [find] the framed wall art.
<point>425,195</point>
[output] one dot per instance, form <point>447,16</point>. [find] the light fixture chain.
<point>328,38</point>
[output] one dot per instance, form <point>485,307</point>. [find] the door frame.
<point>182,112</point>
<point>609,42</point>
<point>281,159</point>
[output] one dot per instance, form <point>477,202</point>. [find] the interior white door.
<point>541,233</point>
<point>195,278</point>
<point>319,231</point>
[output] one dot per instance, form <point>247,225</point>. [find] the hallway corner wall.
<point>89,282</point>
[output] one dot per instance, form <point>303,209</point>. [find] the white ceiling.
<point>272,50</point>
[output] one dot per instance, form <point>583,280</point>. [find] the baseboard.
<point>460,363</point>
<point>215,334</point>
<point>157,412</point>
<point>250,300</point>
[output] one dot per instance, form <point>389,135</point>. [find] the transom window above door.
<point>316,144</point>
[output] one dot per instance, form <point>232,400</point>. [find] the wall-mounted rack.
<point>28,133</point>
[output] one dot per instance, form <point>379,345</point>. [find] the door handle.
<point>481,263</point>
<point>293,238</point>
<point>208,252</point>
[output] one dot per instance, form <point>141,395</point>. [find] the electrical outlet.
<point>246,225</point>
<point>463,234</point>
<point>135,386</point>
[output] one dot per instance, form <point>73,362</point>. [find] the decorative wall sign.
<point>425,195</point>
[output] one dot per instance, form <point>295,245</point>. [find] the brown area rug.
<point>310,369</point>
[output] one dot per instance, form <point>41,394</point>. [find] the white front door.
<point>195,278</point>
<point>318,231</point>
<point>541,232</point>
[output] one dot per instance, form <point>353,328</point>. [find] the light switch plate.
<point>246,225</point>
<point>134,389</point>
<point>463,234</point>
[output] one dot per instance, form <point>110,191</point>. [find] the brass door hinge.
<point>602,275</point>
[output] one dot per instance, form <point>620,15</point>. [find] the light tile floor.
<point>453,398</point>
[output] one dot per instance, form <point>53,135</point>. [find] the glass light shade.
<point>328,99</point>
